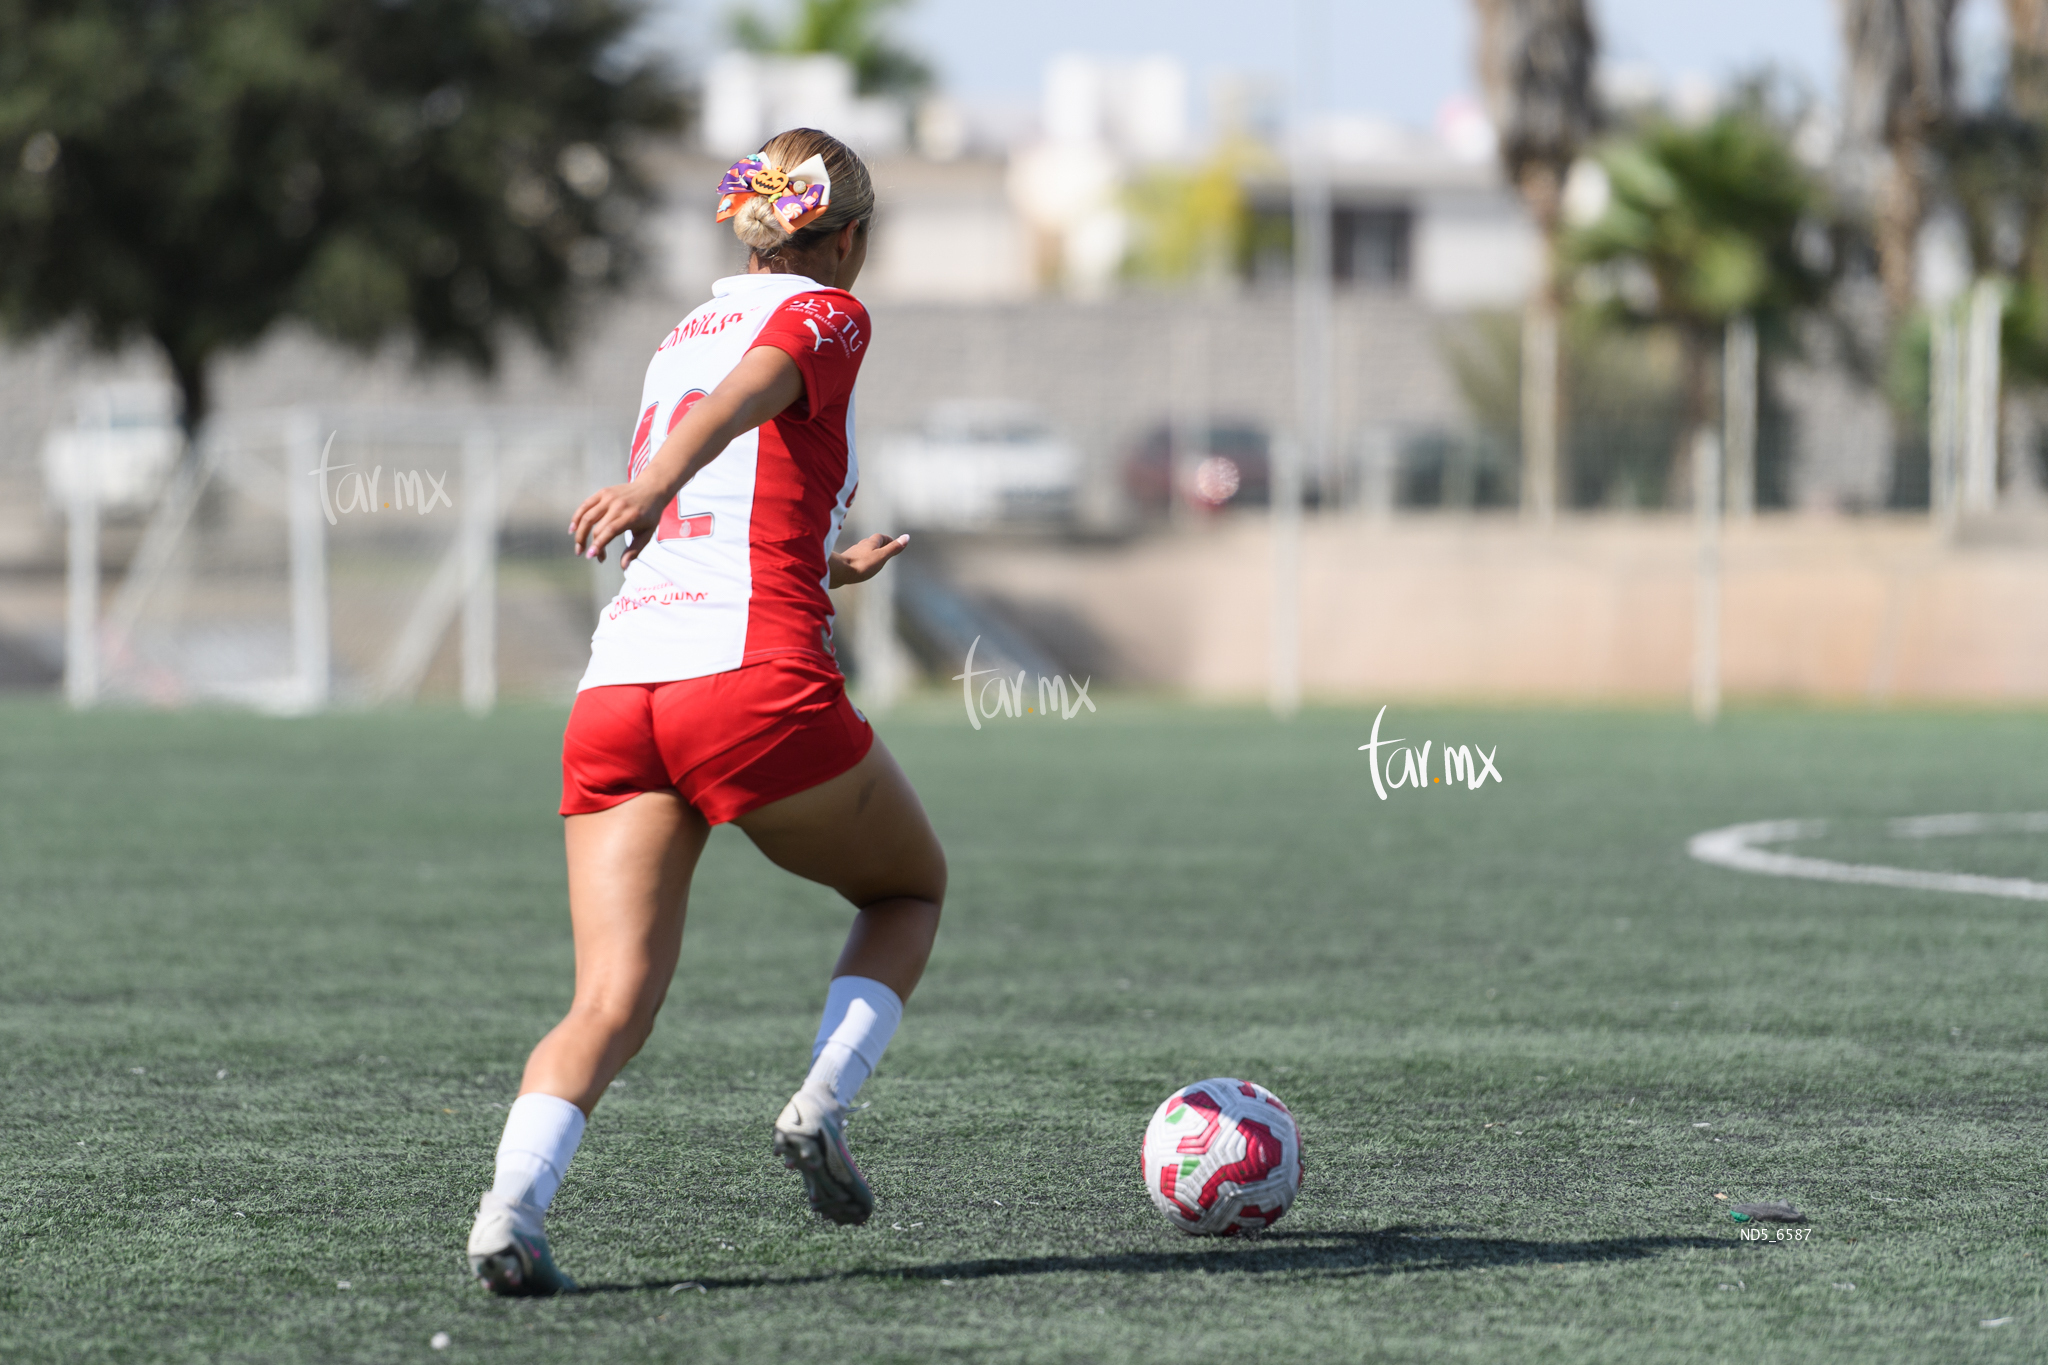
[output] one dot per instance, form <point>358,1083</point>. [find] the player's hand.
<point>610,512</point>
<point>863,559</point>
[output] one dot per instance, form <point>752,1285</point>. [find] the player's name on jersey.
<point>703,325</point>
<point>1407,764</point>
<point>1000,695</point>
<point>357,491</point>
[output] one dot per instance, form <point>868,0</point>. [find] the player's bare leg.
<point>865,835</point>
<point>629,888</point>
<point>629,885</point>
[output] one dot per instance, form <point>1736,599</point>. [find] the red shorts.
<point>729,743</point>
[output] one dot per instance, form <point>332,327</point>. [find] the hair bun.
<point>755,220</point>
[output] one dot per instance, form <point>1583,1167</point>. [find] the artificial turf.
<point>266,986</point>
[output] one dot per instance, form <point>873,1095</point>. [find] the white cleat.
<point>810,1140</point>
<point>509,1252</point>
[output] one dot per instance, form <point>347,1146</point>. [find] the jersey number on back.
<point>674,525</point>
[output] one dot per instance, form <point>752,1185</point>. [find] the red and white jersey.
<point>738,568</point>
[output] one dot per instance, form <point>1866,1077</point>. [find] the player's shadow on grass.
<point>1399,1250</point>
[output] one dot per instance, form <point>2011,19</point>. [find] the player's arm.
<point>765,382</point>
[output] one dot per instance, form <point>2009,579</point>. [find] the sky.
<point>1401,59</point>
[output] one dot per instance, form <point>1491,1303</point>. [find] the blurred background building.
<point>1088,383</point>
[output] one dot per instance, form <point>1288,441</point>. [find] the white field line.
<point>1737,846</point>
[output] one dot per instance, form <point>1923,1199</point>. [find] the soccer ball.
<point>1222,1157</point>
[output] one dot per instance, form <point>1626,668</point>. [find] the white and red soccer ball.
<point>1221,1157</point>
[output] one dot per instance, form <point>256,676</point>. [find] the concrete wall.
<point>1866,610</point>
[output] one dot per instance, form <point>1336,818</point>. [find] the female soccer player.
<point>713,696</point>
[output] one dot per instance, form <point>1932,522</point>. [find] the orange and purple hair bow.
<point>798,197</point>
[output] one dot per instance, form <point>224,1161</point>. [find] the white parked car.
<point>977,464</point>
<point>125,442</point>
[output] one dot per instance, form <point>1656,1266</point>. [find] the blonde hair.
<point>853,194</point>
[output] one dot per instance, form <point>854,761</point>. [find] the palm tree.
<point>1536,65</point>
<point>2026,88</point>
<point>1704,227</point>
<point>2026,103</point>
<point>1899,92</point>
<point>852,29</point>
<point>1999,166</point>
<point>1997,161</point>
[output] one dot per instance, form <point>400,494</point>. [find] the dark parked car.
<point>1230,468</point>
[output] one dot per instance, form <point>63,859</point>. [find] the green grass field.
<point>266,986</point>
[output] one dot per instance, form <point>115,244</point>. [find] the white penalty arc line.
<point>1737,846</point>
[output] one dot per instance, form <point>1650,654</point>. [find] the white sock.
<point>541,1134</point>
<point>860,1018</point>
